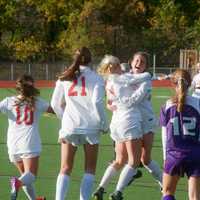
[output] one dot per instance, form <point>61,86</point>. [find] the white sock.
<point>86,186</point>
<point>108,175</point>
<point>27,178</point>
<point>126,175</point>
<point>154,169</point>
<point>29,191</point>
<point>62,185</point>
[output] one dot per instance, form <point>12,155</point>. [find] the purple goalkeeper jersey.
<point>182,128</point>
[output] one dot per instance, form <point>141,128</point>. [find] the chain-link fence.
<point>49,71</point>
<point>42,71</point>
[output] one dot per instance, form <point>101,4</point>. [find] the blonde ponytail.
<point>182,81</point>
<point>181,94</point>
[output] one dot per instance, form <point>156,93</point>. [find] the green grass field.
<point>144,188</point>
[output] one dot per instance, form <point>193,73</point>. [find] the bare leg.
<point>20,166</point>
<point>133,148</point>
<point>147,142</point>
<point>121,155</point>
<point>31,165</point>
<point>111,170</point>
<point>28,169</point>
<point>151,165</point>
<point>134,152</point>
<point>67,160</point>
<point>169,184</point>
<point>91,153</point>
<point>194,188</point>
<point>67,157</point>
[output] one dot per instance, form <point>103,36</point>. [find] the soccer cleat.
<point>41,198</point>
<point>161,189</point>
<point>117,195</point>
<point>15,185</point>
<point>98,194</point>
<point>137,175</point>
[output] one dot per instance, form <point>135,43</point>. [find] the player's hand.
<point>62,140</point>
<point>105,129</point>
<point>111,107</point>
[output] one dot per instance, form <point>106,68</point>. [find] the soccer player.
<point>195,85</point>
<point>180,121</point>
<point>139,64</point>
<point>83,120</point>
<point>125,125</point>
<point>23,139</point>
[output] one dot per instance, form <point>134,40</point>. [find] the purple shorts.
<point>177,165</point>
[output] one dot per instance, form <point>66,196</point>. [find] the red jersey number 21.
<point>73,91</point>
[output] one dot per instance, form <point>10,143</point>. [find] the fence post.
<point>63,67</point>
<point>29,69</point>
<point>47,71</point>
<point>12,71</point>
<point>154,65</point>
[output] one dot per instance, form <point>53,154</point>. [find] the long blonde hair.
<point>182,80</point>
<point>107,62</point>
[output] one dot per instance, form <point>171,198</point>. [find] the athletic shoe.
<point>98,194</point>
<point>161,189</point>
<point>117,195</point>
<point>137,175</point>
<point>41,198</point>
<point>15,185</point>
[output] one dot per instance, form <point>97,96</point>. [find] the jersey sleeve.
<point>139,78</point>
<point>163,116</point>
<point>193,84</point>
<point>163,124</point>
<point>43,105</point>
<point>110,93</point>
<point>98,102</point>
<point>164,141</point>
<point>56,100</point>
<point>4,105</point>
<point>138,95</point>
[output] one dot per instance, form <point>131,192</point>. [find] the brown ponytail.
<point>27,91</point>
<point>82,57</point>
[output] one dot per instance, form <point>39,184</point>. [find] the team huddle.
<point>78,101</point>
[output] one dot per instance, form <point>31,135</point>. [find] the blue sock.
<point>168,197</point>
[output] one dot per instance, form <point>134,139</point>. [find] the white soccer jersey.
<point>84,112</point>
<point>195,86</point>
<point>23,134</point>
<point>142,97</point>
<point>148,117</point>
<point>126,119</point>
<point>125,82</point>
<point>196,82</point>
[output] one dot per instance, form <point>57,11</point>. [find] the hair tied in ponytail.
<point>181,81</point>
<point>82,59</point>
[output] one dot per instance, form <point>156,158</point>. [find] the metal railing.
<point>49,71</point>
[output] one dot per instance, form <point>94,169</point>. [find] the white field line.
<point>162,97</point>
